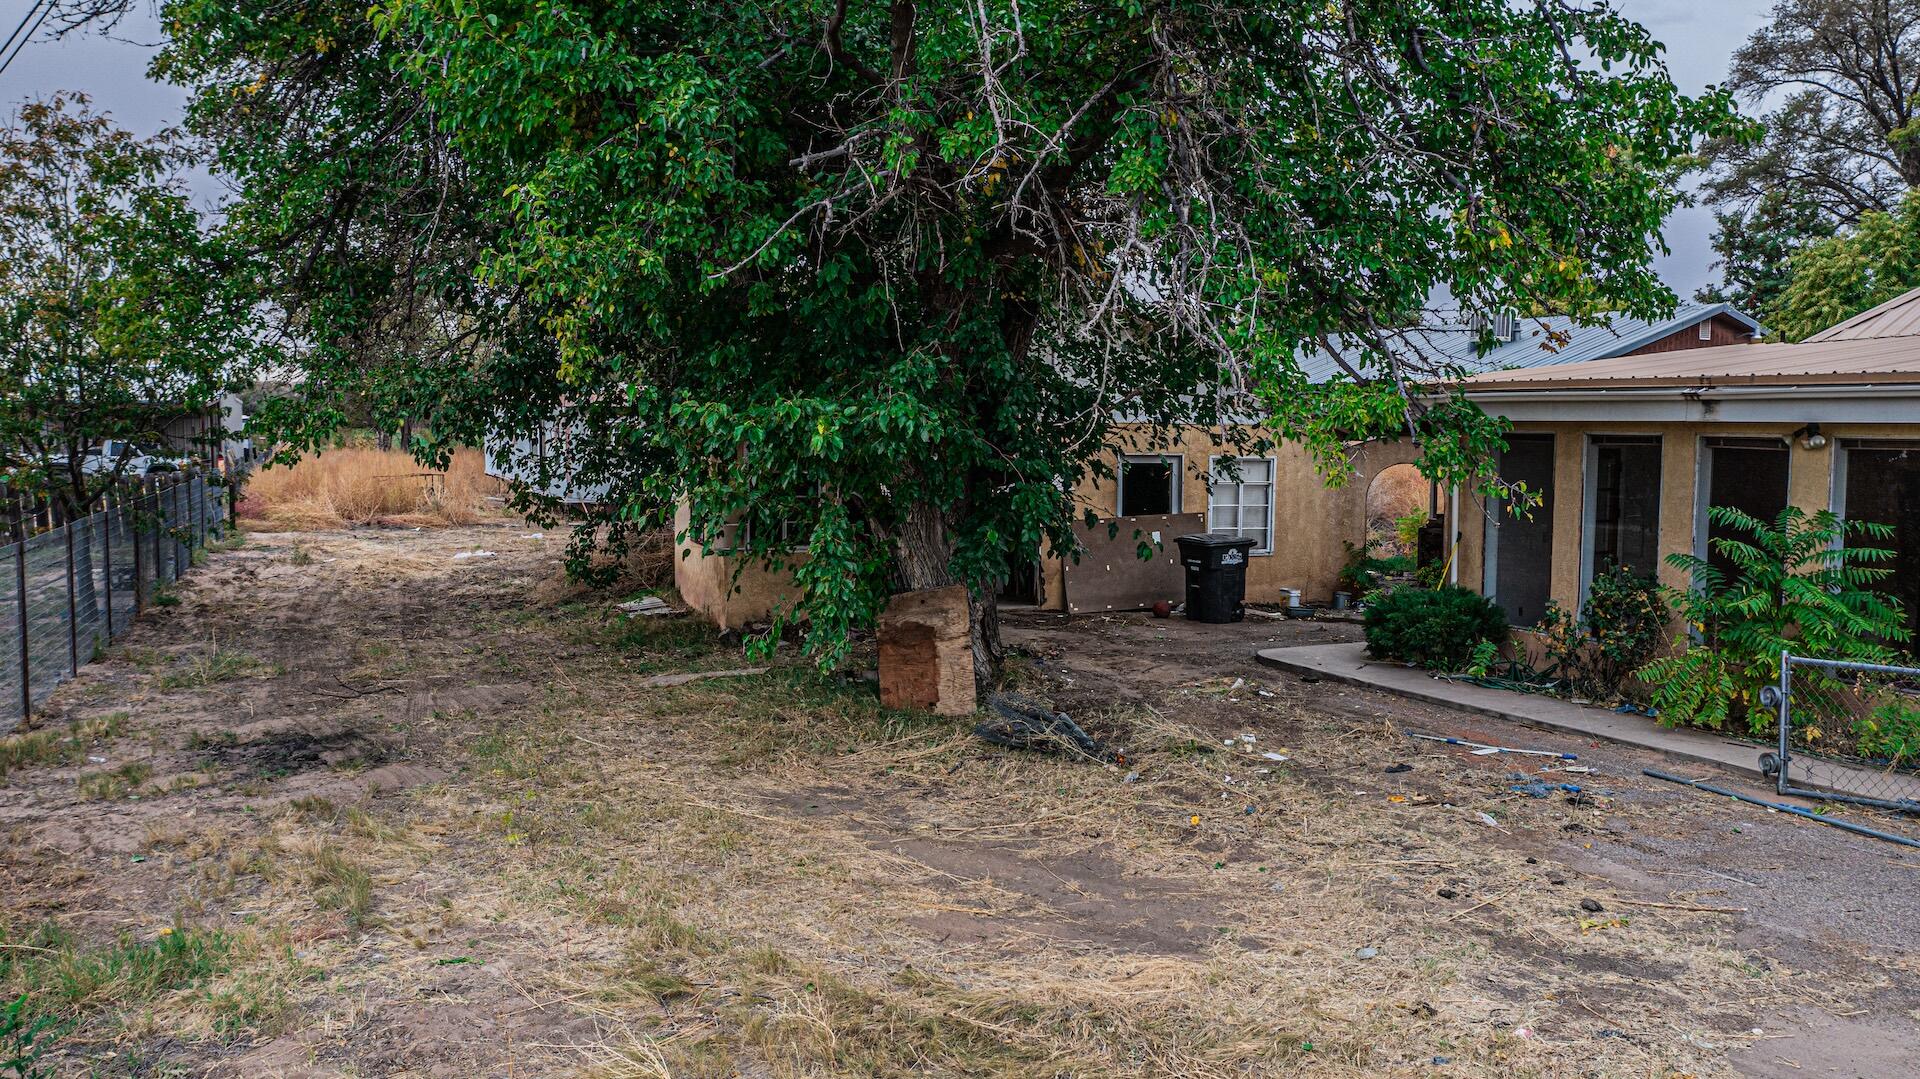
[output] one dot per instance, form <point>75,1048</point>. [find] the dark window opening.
<point>1523,544</point>
<point>1626,504</point>
<point>1883,485</point>
<point>1749,475</point>
<point>1148,485</point>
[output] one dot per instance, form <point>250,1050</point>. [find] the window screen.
<point>1626,504</point>
<point>1243,504</point>
<point>1883,485</point>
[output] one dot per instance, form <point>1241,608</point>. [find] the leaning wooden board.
<point>1111,576</point>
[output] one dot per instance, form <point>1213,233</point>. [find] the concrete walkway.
<point>1348,663</point>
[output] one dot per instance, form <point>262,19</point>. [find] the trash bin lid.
<point>1214,539</point>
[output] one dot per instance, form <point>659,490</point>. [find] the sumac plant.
<point>1803,582</point>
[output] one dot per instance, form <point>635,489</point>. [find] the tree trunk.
<point>923,551</point>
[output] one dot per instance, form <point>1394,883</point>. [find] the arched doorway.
<point>1398,501</point>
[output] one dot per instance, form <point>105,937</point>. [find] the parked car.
<point>129,458</point>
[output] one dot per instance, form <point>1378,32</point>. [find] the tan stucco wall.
<point>707,583</point>
<point>1312,521</point>
<point>1809,486</point>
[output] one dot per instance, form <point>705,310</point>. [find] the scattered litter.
<point>138,858</point>
<point>96,760</point>
<point>1396,769</point>
<point>1194,820</point>
<point>1541,790</point>
<point>1481,749</point>
<point>453,961</point>
<point>473,554</point>
<point>1275,756</point>
<point>1443,1060</point>
<point>1591,906</point>
<point>1447,893</point>
<point>1628,708</point>
<point>1247,738</point>
<point>534,535</point>
<point>1366,953</point>
<point>1396,797</point>
<point>1021,724</point>
<point>1588,925</point>
<point>659,681</point>
<point>1131,777</point>
<point>649,607</point>
<point>1279,887</point>
<point>1522,1032</point>
<point>1264,692</point>
<point>1249,811</point>
<point>1486,819</point>
<point>1237,683</point>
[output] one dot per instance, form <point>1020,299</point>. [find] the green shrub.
<point>1435,628</point>
<point>1621,627</point>
<point>1891,731</point>
<point>1797,586</point>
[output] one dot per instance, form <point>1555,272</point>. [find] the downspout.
<point>1453,535</point>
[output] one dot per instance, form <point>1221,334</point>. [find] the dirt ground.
<point>359,805</point>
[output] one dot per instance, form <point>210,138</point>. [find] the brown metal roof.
<point>1840,362</point>
<point>1898,317</point>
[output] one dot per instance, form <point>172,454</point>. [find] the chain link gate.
<point>1848,732</point>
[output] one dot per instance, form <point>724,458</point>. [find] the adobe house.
<point>1629,452</point>
<point>1300,525</point>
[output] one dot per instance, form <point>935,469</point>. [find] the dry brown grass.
<point>366,486</point>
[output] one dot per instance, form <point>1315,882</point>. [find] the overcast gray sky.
<point>1700,35</point>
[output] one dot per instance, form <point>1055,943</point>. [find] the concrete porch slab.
<point>1348,663</point>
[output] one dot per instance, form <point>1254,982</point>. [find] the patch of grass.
<point>59,975</point>
<point>232,541</point>
<point>301,556</point>
<point>57,746</point>
<point>164,596</point>
<point>342,885</point>
<point>199,740</point>
<point>212,667</point>
<point>115,784</point>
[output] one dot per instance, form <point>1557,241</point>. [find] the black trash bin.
<point>1216,565</point>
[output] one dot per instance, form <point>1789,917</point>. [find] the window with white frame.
<point>1149,485</point>
<point>1241,502</point>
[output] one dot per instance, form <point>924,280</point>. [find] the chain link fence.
<point>1848,732</point>
<point>68,587</point>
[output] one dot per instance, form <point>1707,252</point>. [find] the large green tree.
<point>1841,138</point>
<point>1837,278</point>
<point>878,279</point>
<point>116,316</point>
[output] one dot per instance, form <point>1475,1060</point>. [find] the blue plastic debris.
<point>1541,790</point>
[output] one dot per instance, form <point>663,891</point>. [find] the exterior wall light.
<point>1810,437</point>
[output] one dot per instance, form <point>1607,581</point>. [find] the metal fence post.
<point>106,555</point>
<point>1780,782</point>
<point>133,535</point>
<point>159,525</point>
<point>73,608</point>
<point>16,517</point>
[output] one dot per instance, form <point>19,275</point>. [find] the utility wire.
<point>45,8</point>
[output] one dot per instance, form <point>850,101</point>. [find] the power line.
<point>45,8</point>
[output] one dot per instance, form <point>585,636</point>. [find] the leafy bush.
<point>1621,627</point>
<point>1796,586</point>
<point>1364,570</point>
<point>1891,732</point>
<point>1435,628</point>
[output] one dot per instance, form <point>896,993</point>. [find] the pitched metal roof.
<point>1540,342</point>
<point>1862,362</point>
<point>1898,317</point>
